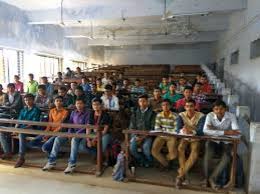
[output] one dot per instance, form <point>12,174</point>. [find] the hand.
<point>232,132</point>
<point>187,131</point>
<point>45,138</point>
<point>211,127</point>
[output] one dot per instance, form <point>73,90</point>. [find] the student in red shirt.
<point>206,87</point>
<point>180,104</point>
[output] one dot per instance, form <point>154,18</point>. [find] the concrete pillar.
<point>254,165</point>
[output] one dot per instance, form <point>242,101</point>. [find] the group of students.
<point>190,122</point>
<point>158,113</point>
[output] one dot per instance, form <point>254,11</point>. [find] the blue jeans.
<point>47,146</point>
<point>146,157</point>
<point>58,142</point>
<point>5,142</point>
<point>79,144</point>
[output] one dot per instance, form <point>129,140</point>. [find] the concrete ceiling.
<point>132,22</point>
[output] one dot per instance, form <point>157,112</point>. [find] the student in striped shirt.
<point>166,122</point>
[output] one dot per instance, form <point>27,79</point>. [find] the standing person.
<point>220,122</point>
<point>32,85</point>
<point>18,84</point>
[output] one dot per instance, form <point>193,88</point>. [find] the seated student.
<point>2,96</point>
<point>197,80</point>
<point>156,100</point>
<point>72,89</point>
<point>96,117</point>
<point>29,113</point>
<point>181,85</point>
<point>197,94</point>
<point>99,85</point>
<point>42,100</point>
<point>79,93</point>
<point>56,115</point>
<point>32,85</point>
<point>110,101</point>
<point>220,122</point>
<point>69,73</point>
<point>85,85</point>
<point>59,79</point>
<point>126,85</point>
<point>164,85</point>
<point>13,99</point>
<point>18,84</point>
<point>105,79</point>
<point>48,85</point>
<point>67,99</point>
<point>172,95</point>
<point>206,87</point>
<point>137,88</point>
<point>166,122</point>
<point>180,104</point>
<point>79,116</point>
<point>142,119</point>
<point>189,122</point>
<point>78,73</point>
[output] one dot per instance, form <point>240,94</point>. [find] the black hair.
<point>138,80</point>
<point>30,75</point>
<point>191,101</point>
<point>96,100</point>
<point>29,96</point>
<point>44,77</point>
<point>173,83</point>
<point>108,87</point>
<point>187,88</point>
<point>58,97</point>
<point>79,88</point>
<point>143,96</point>
<point>166,100</point>
<point>63,88</point>
<point>198,83</point>
<point>157,88</point>
<point>43,87</point>
<point>80,99</point>
<point>219,103</point>
<point>11,85</point>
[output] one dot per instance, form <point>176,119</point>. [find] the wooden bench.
<point>98,136</point>
<point>234,141</point>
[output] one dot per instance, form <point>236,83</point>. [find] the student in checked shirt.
<point>220,122</point>
<point>189,122</point>
<point>166,122</point>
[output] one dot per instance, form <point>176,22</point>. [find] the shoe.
<point>49,166</point>
<point>7,156</point>
<point>70,169</point>
<point>178,182</point>
<point>19,162</point>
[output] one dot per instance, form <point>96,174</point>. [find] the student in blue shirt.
<point>29,113</point>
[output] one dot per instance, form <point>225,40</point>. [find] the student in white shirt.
<point>110,101</point>
<point>220,122</point>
